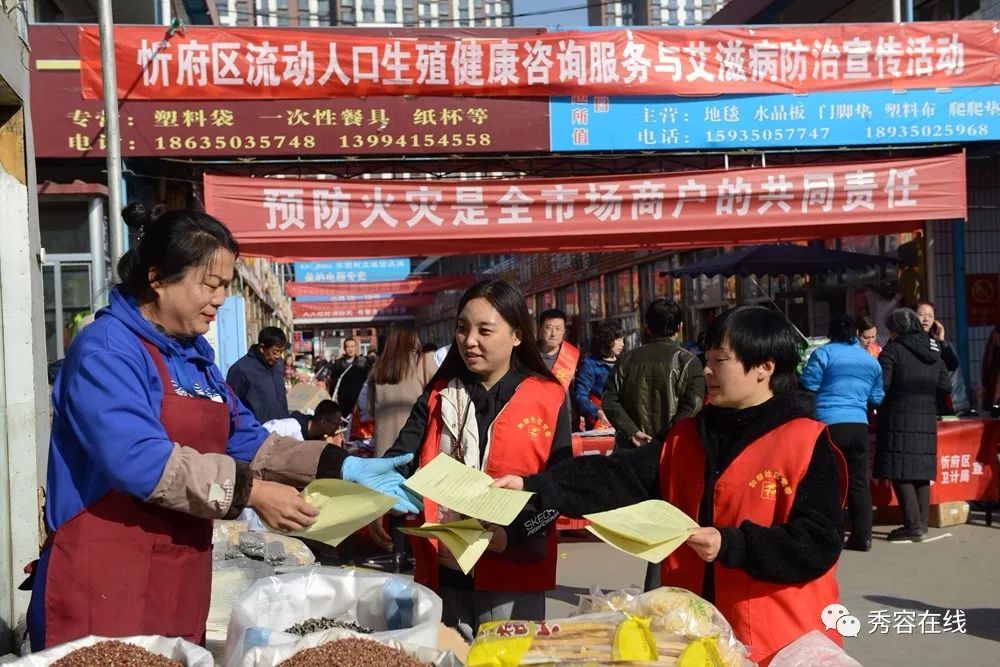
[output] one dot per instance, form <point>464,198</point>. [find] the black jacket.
<point>259,386</point>
<point>351,376</point>
<point>915,380</point>
<point>798,551</point>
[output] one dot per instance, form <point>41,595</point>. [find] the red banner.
<point>254,63</point>
<point>414,286</point>
<point>360,308</point>
<point>369,218</point>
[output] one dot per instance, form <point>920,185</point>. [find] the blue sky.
<point>575,17</point>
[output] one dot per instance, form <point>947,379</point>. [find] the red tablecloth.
<point>586,446</point>
<point>967,464</point>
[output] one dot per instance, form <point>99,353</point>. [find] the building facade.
<point>366,13</point>
<point>674,13</point>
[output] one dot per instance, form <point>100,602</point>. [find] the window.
<point>348,17</point>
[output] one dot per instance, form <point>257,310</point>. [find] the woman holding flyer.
<point>756,471</point>
<point>494,406</point>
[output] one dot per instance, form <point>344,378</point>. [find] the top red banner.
<point>273,63</point>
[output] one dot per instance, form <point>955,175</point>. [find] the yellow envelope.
<point>344,507</point>
<point>650,522</point>
<point>467,540</point>
<point>467,491</point>
<point>652,553</point>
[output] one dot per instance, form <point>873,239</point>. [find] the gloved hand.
<point>380,475</point>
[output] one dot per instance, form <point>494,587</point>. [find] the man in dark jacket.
<point>656,384</point>
<point>653,386</point>
<point>258,379</point>
<point>347,377</point>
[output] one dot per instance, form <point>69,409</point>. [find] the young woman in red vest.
<point>756,471</point>
<point>494,406</point>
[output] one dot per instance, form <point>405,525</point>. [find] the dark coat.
<point>260,387</point>
<point>915,377</point>
<point>346,381</point>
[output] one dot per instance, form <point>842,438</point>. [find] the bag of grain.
<point>317,598</point>
<point>149,651</point>
<point>347,649</point>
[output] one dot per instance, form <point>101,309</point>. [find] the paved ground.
<point>961,571</point>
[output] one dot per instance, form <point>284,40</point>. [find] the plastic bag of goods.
<point>279,610</point>
<point>668,626</point>
<point>149,651</point>
<point>348,649</point>
<point>813,649</point>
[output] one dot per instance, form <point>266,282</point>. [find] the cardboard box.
<point>949,514</point>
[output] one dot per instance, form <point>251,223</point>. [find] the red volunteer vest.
<point>123,567</point>
<point>759,486</point>
<point>565,367</point>
<point>520,445</point>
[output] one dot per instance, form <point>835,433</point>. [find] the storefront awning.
<point>783,259</point>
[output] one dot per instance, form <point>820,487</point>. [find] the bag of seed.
<point>279,610</point>
<point>147,650</point>
<point>344,648</point>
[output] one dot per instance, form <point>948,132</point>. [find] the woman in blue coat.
<point>847,381</point>
<point>592,375</point>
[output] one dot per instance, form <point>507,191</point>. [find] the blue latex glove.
<point>380,475</point>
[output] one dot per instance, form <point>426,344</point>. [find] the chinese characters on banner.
<point>233,63</point>
<point>361,308</point>
<point>312,218</point>
<point>354,270</point>
<point>415,286</point>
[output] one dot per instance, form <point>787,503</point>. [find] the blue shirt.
<point>846,379</point>
<point>106,430</point>
<point>591,377</point>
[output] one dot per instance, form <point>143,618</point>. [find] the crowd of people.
<point>149,444</point>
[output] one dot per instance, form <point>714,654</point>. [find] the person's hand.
<point>281,507</point>
<point>938,330</point>
<point>380,475</point>
<point>706,542</point>
<point>380,535</point>
<point>498,539</point>
<point>640,439</point>
<point>509,482</point>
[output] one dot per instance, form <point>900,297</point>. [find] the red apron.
<point>123,567</point>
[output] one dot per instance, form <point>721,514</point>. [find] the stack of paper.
<point>467,540</point>
<point>650,530</point>
<point>467,491</point>
<point>344,507</point>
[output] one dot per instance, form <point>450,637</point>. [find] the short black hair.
<point>755,335</point>
<point>903,321</point>
<point>663,317</point>
<point>607,333</point>
<point>272,337</point>
<point>551,314</point>
<point>326,419</point>
<point>429,347</point>
<point>842,329</point>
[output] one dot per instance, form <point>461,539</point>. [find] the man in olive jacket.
<point>655,385</point>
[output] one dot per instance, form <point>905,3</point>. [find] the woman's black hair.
<point>864,323</point>
<point>903,321</point>
<point>429,347</point>
<point>607,333</point>
<point>169,246</point>
<point>842,329</point>
<point>755,334</point>
<point>508,299</point>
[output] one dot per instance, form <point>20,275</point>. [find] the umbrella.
<point>780,259</point>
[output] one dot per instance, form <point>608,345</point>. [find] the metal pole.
<point>961,306</point>
<point>116,233</point>
<point>909,11</point>
<point>98,281</point>
<point>897,11</point>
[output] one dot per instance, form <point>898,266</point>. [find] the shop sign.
<point>361,308</point>
<point>848,118</point>
<point>343,289</point>
<point>66,125</point>
<point>983,297</point>
<point>353,270</point>
<point>221,63</point>
<point>312,218</point>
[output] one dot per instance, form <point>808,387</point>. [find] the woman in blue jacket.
<point>149,445</point>
<point>592,375</point>
<point>847,380</point>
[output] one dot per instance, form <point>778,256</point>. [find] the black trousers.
<point>915,499</point>
<point>852,441</point>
